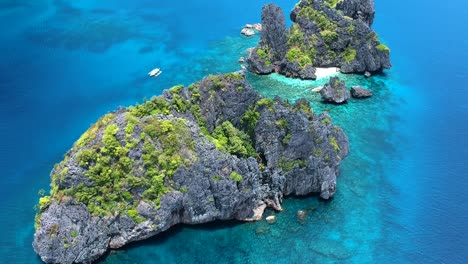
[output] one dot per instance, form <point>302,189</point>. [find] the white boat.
<point>154,72</point>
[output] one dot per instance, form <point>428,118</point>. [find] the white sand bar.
<point>325,72</point>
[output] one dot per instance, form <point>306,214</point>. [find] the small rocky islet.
<point>325,33</point>
<point>215,150</point>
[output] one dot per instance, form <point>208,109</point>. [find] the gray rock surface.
<point>360,92</point>
<point>93,209</point>
<point>294,70</point>
<point>335,91</point>
<point>274,31</point>
<point>322,36</point>
<point>358,9</point>
<point>247,32</point>
<point>272,46</point>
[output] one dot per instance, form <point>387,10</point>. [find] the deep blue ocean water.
<point>402,194</point>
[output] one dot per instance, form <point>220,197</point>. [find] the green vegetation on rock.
<point>264,55</point>
<point>320,19</point>
<point>90,134</point>
<point>157,105</point>
<point>44,202</point>
<point>250,119</point>
<point>334,143</point>
<point>326,121</point>
<point>217,80</point>
<point>288,165</point>
<point>112,173</point>
<point>301,50</point>
<point>332,3</point>
<point>267,102</point>
<point>304,106</point>
<point>383,47</point>
<point>296,54</point>
<point>349,54</point>
<point>282,123</point>
<point>286,139</point>
<point>229,139</point>
<point>295,36</point>
<point>329,36</point>
<point>235,176</point>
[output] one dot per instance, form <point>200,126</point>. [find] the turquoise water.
<point>401,193</point>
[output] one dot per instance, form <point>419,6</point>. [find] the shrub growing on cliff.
<point>382,47</point>
<point>332,3</point>
<point>334,144</point>
<point>109,140</point>
<point>295,36</point>
<point>329,36</point>
<point>264,55</point>
<point>90,134</point>
<point>235,176</point>
<point>282,123</point>
<point>233,141</point>
<point>157,105</point>
<point>288,165</point>
<point>249,120</point>
<point>44,202</point>
<point>295,54</point>
<point>349,54</point>
<point>320,19</point>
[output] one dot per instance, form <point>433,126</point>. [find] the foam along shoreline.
<point>325,72</point>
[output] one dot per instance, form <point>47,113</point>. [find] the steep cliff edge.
<point>325,33</point>
<point>215,150</point>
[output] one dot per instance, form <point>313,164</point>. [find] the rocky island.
<point>215,150</point>
<point>325,33</point>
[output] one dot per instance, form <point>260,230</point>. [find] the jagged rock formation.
<point>335,91</point>
<point>325,33</point>
<point>213,151</point>
<point>273,39</point>
<point>360,92</point>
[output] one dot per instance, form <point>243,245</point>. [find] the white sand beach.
<point>325,72</point>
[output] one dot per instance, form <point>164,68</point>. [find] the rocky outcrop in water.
<point>325,33</point>
<point>335,91</point>
<point>216,150</point>
<point>360,92</point>
<point>273,41</point>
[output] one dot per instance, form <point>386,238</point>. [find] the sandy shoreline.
<point>325,72</point>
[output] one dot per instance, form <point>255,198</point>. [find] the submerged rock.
<point>301,214</point>
<point>324,34</point>
<point>360,92</point>
<point>216,150</point>
<point>335,91</point>
<point>271,219</point>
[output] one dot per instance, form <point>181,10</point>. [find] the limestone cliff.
<point>325,33</point>
<point>215,150</point>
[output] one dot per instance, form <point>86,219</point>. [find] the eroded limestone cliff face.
<point>215,150</point>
